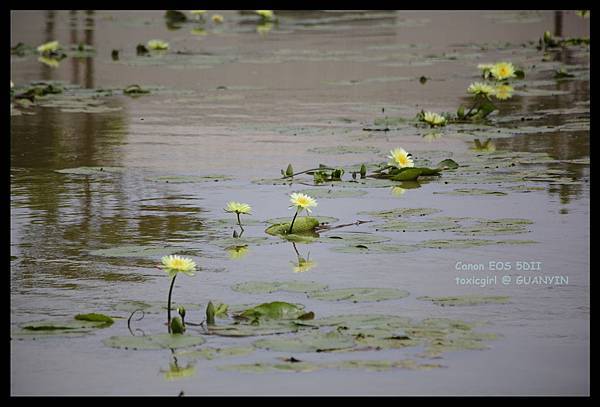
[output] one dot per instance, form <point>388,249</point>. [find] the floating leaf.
<point>301,225</point>
<point>95,318</point>
<point>422,226</point>
<point>344,149</point>
<point>359,294</point>
<point>321,219</point>
<point>333,193</point>
<point>92,170</point>
<point>214,353</point>
<point>466,300</point>
<point>263,287</point>
<point>184,179</point>
<point>402,212</point>
<point>160,341</point>
<point>273,310</point>
<point>318,342</point>
<point>471,192</point>
<point>136,251</point>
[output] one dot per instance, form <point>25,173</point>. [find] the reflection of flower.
<point>237,252</point>
<point>479,88</point>
<point>198,31</point>
<point>198,12</point>
<point>398,191</point>
<point>217,18</point>
<point>266,14</point>
<point>51,62</point>
<point>583,13</point>
<point>434,119</point>
<point>174,264</point>
<point>400,158</point>
<point>432,135</point>
<point>303,265</point>
<point>503,70</point>
<point>175,372</point>
<point>503,92</point>
<point>488,146</point>
<point>157,45</point>
<point>48,47</point>
<point>302,201</point>
<point>238,207</point>
<point>264,28</point>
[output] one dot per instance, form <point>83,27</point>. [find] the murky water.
<point>238,103</point>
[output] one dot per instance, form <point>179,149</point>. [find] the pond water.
<point>232,104</point>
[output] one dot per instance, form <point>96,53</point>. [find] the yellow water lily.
<point>399,158</point>
<point>301,201</point>
<point>48,47</point>
<point>480,88</point>
<point>266,14</point>
<point>174,264</point>
<point>503,70</point>
<point>217,18</point>
<point>503,92</point>
<point>157,45</point>
<point>434,119</point>
<point>238,207</point>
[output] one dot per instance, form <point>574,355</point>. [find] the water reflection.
<point>301,264</point>
<point>237,252</point>
<point>176,372</point>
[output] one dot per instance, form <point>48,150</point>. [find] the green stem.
<point>240,222</point>
<point>305,171</point>
<point>293,220</point>
<point>472,107</point>
<point>169,303</point>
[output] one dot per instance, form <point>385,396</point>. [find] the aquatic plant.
<point>301,202</point>
<point>174,265</point>
<point>432,119</point>
<point>238,208</point>
<point>217,18</point>
<point>49,48</point>
<point>157,45</point>
<point>400,158</point>
<point>266,15</point>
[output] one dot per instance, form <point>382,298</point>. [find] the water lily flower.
<point>217,18</point>
<point>48,47</point>
<point>503,92</point>
<point>238,207</point>
<point>434,119</point>
<point>503,70</point>
<point>157,45</point>
<point>400,158</point>
<point>301,201</point>
<point>479,88</point>
<point>174,264</point>
<point>266,14</point>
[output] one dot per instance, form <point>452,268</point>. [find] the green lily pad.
<point>91,170</point>
<point>185,179</point>
<point>321,219</point>
<point>95,318</point>
<point>353,238</point>
<point>466,300</point>
<point>157,307</point>
<point>375,248</point>
<point>324,193</point>
<point>317,342</point>
<point>270,367</point>
<point>263,287</point>
<point>49,325</point>
<point>344,150</point>
<point>265,327</point>
<point>471,192</point>
<point>423,226</point>
<point>160,341</point>
<point>496,227</point>
<point>240,241</point>
<point>215,353</point>
<point>302,225</point>
<point>401,212</point>
<point>455,243</point>
<point>136,251</point>
<point>359,294</point>
<point>273,310</point>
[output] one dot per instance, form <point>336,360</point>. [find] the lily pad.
<point>317,342</point>
<point>158,307</point>
<point>471,192</point>
<point>323,193</point>
<point>136,251</point>
<point>240,241</point>
<point>95,318</point>
<point>263,287</point>
<point>344,149</point>
<point>91,170</point>
<point>401,212</point>
<point>466,300</point>
<point>160,341</point>
<point>375,248</point>
<point>185,179</point>
<point>49,325</point>
<point>455,243</point>
<point>359,294</point>
<point>270,367</point>
<point>353,238</point>
<point>422,226</point>
<point>321,219</point>
<point>301,225</point>
<point>273,310</point>
<point>496,227</point>
<point>215,353</point>
<point>267,327</point>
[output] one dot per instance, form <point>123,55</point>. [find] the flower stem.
<point>293,220</point>
<point>169,303</point>
<point>240,222</point>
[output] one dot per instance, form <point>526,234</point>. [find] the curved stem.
<point>240,222</point>
<point>293,220</point>
<point>472,107</point>
<point>169,303</point>
<point>303,172</point>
